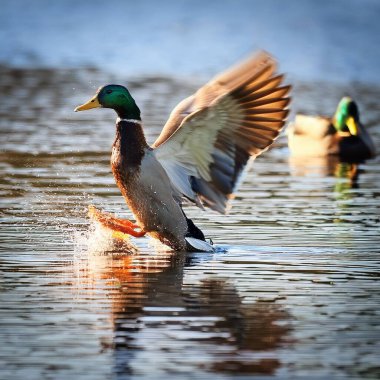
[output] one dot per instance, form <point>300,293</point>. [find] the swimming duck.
<point>199,155</point>
<point>342,135</point>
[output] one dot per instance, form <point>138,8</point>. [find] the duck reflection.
<point>349,171</point>
<point>346,179</point>
<point>249,328</point>
<point>325,167</point>
<point>169,318</point>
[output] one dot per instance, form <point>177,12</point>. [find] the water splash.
<point>97,241</point>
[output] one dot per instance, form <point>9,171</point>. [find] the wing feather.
<point>210,136</point>
<point>247,96</point>
<point>277,102</point>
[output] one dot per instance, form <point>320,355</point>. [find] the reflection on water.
<point>293,292</point>
<point>156,315</point>
<point>346,173</point>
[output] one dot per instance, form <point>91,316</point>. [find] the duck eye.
<point>109,92</point>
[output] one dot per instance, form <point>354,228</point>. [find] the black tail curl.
<point>193,231</point>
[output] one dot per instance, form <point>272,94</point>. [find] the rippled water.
<point>293,291</point>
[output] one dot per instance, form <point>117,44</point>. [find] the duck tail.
<point>193,231</point>
<point>195,239</point>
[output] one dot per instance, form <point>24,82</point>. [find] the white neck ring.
<point>135,121</point>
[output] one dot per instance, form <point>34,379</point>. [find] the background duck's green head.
<point>115,97</point>
<point>346,118</point>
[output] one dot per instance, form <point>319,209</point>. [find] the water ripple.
<point>292,290</point>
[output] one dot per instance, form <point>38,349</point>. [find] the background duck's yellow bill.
<point>352,126</point>
<point>92,103</point>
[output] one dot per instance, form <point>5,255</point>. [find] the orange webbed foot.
<point>115,224</point>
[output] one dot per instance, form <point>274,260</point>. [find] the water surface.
<point>292,291</point>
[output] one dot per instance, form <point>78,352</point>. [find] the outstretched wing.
<point>210,136</point>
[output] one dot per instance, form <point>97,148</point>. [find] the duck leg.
<point>121,225</point>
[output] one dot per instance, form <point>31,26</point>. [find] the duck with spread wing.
<point>199,155</point>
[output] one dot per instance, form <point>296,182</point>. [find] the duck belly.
<point>149,195</point>
<point>159,215</point>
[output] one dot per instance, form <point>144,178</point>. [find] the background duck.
<point>341,135</point>
<point>200,153</point>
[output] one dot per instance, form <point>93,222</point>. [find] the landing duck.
<point>342,135</point>
<point>200,154</point>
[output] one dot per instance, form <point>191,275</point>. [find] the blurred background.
<point>324,40</point>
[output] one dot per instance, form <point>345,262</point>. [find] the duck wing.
<point>211,135</point>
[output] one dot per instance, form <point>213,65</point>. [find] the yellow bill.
<point>92,103</point>
<point>352,126</point>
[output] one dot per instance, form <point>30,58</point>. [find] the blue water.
<point>319,40</point>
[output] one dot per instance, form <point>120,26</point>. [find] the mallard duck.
<point>342,135</point>
<point>199,155</point>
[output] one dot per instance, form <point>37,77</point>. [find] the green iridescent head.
<point>116,97</point>
<point>346,118</point>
